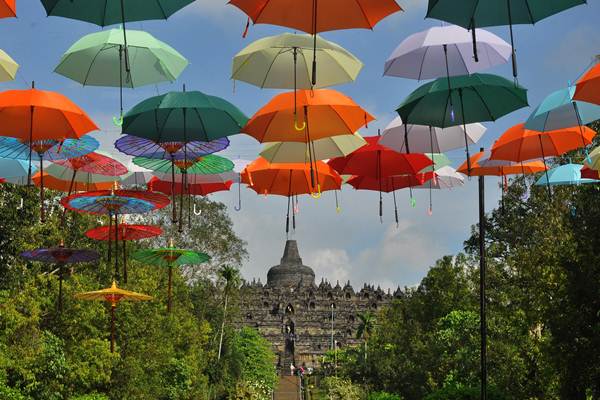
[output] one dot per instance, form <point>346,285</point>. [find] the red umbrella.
<point>588,173</point>
<point>124,232</point>
<point>195,189</point>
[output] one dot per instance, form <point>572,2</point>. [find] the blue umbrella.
<point>568,174</point>
<point>14,170</point>
<point>560,111</point>
<point>48,150</point>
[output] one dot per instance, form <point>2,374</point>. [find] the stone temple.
<point>301,319</point>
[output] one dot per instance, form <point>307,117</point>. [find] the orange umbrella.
<point>520,144</point>
<point>53,183</point>
<point>483,165</point>
<point>8,8</point>
<point>289,180</point>
<point>588,87</point>
<point>325,113</point>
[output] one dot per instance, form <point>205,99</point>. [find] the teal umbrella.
<point>184,117</point>
<point>15,171</point>
<point>478,98</point>
<point>97,60</point>
<point>568,174</point>
<point>471,14</point>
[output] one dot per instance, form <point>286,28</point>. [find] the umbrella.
<point>33,115</point>
<point>238,166</point>
<point>481,97</point>
<point>170,257</point>
<point>472,14</point>
<point>588,86</point>
<point>378,162</point>
<point>114,203</point>
<point>8,66</point>
<point>445,51</point>
<point>313,16</point>
<point>125,232</point>
<point>8,8</point>
<point>183,117</point>
<point>587,172</point>
<point>14,170</point>
<point>439,160</point>
<point>444,178</point>
<point>53,183</point>
<point>137,146</point>
<point>283,62</point>
<point>594,160</point>
<point>290,179</point>
<point>193,189</point>
<point>568,174</point>
<point>326,148</point>
<point>48,149</point>
<point>483,165</point>
<point>112,295</point>
<point>97,60</point>
<point>61,256</point>
<point>422,139</point>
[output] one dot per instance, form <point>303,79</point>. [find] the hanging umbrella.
<point>594,160</point>
<point>568,174</point>
<point>238,166</point>
<point>283,62</point>
<point>313,16</point>
<point>112,295</point>
<point>483,165</point>
<point>97,59</point>
<point>49,150</point>
<point>439,160</point>
<point>192,189</point>
<point>588,173</point>
<point>323,149</point>
<point>170,257</point>
<point>14,170</point>
<point>34,115</point>
<point>444,178</point>
<point>588,86</point>
<point>114,203</point>
<point>422,139</point>
<point>445,51</point>
<point>51,182</point>
<point>126,232</point>
<point>8,66</point>
<point>472,14</point>
<point>479,97</point>
<point>61,256</point>
<point>183,117</point>
<point>141,147</point>
<point>289,180</point>
<point>8,8</point>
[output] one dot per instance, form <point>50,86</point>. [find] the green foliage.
<point>334,388</point>
<point>383,396</point>
<point>463,393</point>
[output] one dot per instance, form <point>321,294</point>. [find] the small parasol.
<point>113,295</point>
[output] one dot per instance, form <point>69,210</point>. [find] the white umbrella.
<point>444,178</point>
<point>425,139</point>
<point>445,51</point>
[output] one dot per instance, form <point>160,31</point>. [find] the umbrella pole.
<point>482,287</point>
<point>31,109</point>
<point>512,41</point>
<point>109,237</point>
<point>310,152</point>
<point>127,68</point>
<point>124,261</point>
<point>474,36</point>
<point>395,203</point>
<point>42,210</point>
<point>64,213</point>
<point>121,82</point>
<point>294,207</point>
<point>60,286</point>
<point>545,168</point>
<point>433,172</point>
<point>314,63</point>
<point>580,125</point>
<point>181,195</point>
<point>169,294</point>
<point>239,206</point>
<point>287,218</point>
<point>462,110</point>
<point>406,137</point>
<point>112,327</point>
<point>116,246</point>
<point>174,217</point>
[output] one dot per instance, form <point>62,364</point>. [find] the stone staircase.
<point>288,388</point>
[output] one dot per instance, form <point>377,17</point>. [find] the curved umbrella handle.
<point>196,212</point>
<point>413,202</point>
<point>118,121</point>
<point>299,128</point>
<point>237,208</point>
<point>316,195</point>
<point>20,206</point>
<point>338,209</point>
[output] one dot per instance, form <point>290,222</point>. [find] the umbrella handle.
<point>197,213</point>
<point>413,202</point>
<point>299,128</point>
<point>118,121</point>
<point>317,195</point>
<point>20,206</point>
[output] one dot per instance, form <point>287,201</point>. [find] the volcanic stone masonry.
<point>298,317</point>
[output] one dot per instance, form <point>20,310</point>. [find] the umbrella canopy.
<point>444,178</point>
<point>390,183</point>
<point>568,174</point>
<point>183,117</point>
<point>377,161</point>
<point>210,164</point>
<point>588,86</point>
<point>124,231</point>
<point>594,159</point>
<point>439,160</point>
<point>63,185</point>
<point>588,173</point>
<point>482,165</point>
<point>283,62</point>
<point>79,176</point>
<point>196,179</point>
<point>115,202</point>
<point>8,66</point>
<point>559,110</point>
<point>194,189</point>
<point>34,115</point>
<point>520,144</point>
<point>289,179</point>
<point>14,169</point>
<point>8,8</point>
<point>137,146</point>
<point>302,15</point>
<point>423,139</point>
<point>111,12</point>
<point>462,100</point>
<point>323,149</point>
<point>47,149</point>
<point>94,163</point>
<point>318,114</point>
<point>445,51</point>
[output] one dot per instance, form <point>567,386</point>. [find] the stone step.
<point>288,388</point>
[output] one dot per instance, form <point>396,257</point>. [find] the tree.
<point>232,279</point>
<point>366,326</point>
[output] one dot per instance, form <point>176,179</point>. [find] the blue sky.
<point>352,244</point>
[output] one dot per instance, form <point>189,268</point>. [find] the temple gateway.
<point>303,320</point>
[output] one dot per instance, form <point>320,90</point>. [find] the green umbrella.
<point>283,62</point>
<point>170,257</point>
<point>97,60</point>
<point>184,117</point>
<point>480,97</point>
<point>471,14</point>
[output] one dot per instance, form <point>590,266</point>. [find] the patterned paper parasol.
<point>48,150</point>
<point>142,147</point>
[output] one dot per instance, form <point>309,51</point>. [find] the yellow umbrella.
<point>112,295</point>
<point>8,67</point>
<point>322,149</point>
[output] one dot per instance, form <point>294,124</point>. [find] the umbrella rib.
<point>262,86</point>
<point>423,62</point>
<point>362,10</point>
<point>529,12</point>
<point>87,74</point>
<point>484,104</point>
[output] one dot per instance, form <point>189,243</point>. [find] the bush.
<point>335,388</point>
<point>383,396</point>
<point>463,393</point>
